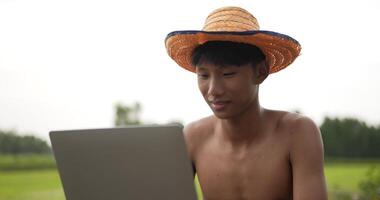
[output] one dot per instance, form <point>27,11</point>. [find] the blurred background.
<point>98,64</point>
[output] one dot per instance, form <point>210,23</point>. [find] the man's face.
<point>228,90</point>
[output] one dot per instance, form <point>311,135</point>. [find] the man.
<point>245,151</point>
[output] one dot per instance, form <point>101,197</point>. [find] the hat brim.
<point>280,50</point>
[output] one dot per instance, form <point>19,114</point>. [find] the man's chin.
<point>221,115</point>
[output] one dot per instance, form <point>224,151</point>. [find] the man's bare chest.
<point>263,172</point>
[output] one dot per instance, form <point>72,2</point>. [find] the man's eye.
<point>203,76</point>
<point>229,74</point>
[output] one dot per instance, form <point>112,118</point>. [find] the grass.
<point>198,188</point>
<point>45,184</point>
<point>26,161</point>
<point>31,185</point>
<point>343,177</point>
<point>37,185</point>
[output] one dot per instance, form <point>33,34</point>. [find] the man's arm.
<point>306,157</point>
<point>190,144</point>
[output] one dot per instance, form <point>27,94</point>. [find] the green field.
<point>31,185</point>
<point>26,162</point>
<point>346,176</point>
<point>45,184</point>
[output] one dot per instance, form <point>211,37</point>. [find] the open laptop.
<point>131,163</point>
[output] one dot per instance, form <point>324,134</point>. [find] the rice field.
<point>45,184</point>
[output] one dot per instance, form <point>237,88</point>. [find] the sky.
<point>64,64</point>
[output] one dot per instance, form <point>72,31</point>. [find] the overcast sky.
<point>64,64</point>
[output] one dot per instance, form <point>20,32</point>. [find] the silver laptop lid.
<point>132,163</point>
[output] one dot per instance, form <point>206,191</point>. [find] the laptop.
<point>130,163</point>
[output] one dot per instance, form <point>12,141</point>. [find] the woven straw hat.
<point>237,25</point>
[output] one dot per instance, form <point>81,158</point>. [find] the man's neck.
<point>244,128</point>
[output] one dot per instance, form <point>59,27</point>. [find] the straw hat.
<point>237,25</point>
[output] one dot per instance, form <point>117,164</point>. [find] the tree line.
<point>13,143</point>
<point>342,137</point>
<point>350,138</point>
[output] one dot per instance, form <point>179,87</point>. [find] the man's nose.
<point>216,87</point>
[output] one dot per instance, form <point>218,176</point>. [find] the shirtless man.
<point>245,151</point>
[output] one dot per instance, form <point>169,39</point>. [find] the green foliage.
<point>11,162</point>
<point>198,188</point>
<point>370,186</point>
<point>12,143</point>
<point>341,195</point>
<point>350,138</point>
<point>127,115</point>
<point>344,176</point>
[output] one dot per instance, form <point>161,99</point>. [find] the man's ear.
<point>261,72</point>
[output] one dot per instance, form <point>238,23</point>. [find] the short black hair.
<point>223,53</point>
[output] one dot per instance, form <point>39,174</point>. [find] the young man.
<point>245,151</point>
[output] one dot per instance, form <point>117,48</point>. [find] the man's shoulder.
<point>305,155</point>
<point>300,128</point>
<point>200,127</point>
<point>198,132</point>
<point>293,122</point>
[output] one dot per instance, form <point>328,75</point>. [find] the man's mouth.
<point>219,105</point>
